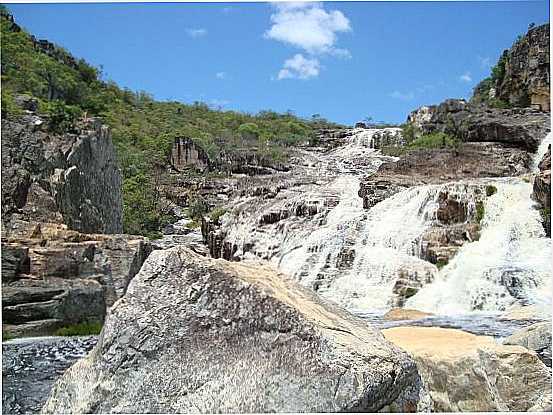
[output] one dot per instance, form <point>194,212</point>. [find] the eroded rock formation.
<point>527,73</point>
<point>465,372</point>
<point>187,154</point>
<point>200,335</point>
<point>519,127</point>
<point>542,190</point>
<point>70,178</point>
<point>63,261</point>
<point>53,276</point>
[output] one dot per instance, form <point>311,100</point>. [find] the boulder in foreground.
<point>468,373</point>
<point>194,334</point>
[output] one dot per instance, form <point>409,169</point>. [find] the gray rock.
<point>71,178</point>
<point>536,337</point>
<point>520,127</point>
<point>194,334</point>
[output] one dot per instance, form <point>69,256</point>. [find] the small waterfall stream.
<point>356,257</point>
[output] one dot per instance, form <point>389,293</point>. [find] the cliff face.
<point>519,127</point>
<point>542,190</point>
<point>527,77</point>
<point>60,195</point>
<point>71,179</point>
<point>186,154</point>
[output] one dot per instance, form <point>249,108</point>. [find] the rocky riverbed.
<point>30,366</point>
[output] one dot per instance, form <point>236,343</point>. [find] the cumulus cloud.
<point>299,67</point>
<point>308,26</point>
<point>196,32</point>
<point>311,28</point>
<point>403,96</point>
<point>221,75</point>
<point>465,77</point>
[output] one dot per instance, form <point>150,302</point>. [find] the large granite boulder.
<point>194,334</point>
<point>464,372</point>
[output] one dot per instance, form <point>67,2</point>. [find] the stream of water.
<point>354,256</point>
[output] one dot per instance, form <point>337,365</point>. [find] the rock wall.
<point>194,334</point>
<point>186,154</point>
<point>62,262</point>
<point>527,72</point>
<point>519,127</point>
<point>71,178</point>
<point>52,276</point>
<point>542,190</point>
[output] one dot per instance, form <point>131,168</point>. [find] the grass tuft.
<point>80,329</point>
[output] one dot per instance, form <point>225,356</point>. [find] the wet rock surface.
<point>31,366</point>
<point>542,190</point>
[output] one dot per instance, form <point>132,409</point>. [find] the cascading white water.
<point>511,261</point>
<point>510,257</point>
<point>355,256</point>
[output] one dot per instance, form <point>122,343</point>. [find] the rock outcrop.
<point>465,372</point>
<point>200,335</point>
<point>536,337</point>
<point>526,80</point>
<point>517,127</point>
<point>187,154</point>
<point>542,190</point>
<point>53,276</point>
<point>71,178</point>
<point>441,166</point>
<point>398,314</point>
<point>63,258</point>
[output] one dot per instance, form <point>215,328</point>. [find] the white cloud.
<point>308,26</point>
<point>299,67</point>
<point>465,77</point>
<point>221,75</point>
<point>403,96</point>
<point>196,32</point>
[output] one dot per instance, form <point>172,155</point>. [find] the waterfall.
<point>362,258</point>
<point>510,263</point>
<point>542,149</point>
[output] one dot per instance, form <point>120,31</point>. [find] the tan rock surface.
<point>464,372</point>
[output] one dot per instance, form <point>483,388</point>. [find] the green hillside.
<point>143,129</point>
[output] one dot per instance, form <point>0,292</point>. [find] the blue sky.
<point>343,60</point>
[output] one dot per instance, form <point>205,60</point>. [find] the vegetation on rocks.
<point>436,140</point>
<point>80,329</point>
<point>480,211</point>
<point>143,129</point>
<point>491,190</point>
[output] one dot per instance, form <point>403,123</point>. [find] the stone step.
<point>23,313</point>
<point>19,295</point>
<point>33,328</point>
